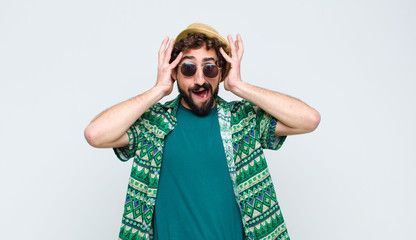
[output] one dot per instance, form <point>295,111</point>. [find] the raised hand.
<point>164,69</point>
<point>234,76</point>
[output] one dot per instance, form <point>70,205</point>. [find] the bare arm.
<point>108,129</point>
<point>295,117</point>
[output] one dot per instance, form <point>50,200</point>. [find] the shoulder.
<point>237,106</point>
<point>165,110</point>
<point>154,110</point>
<point>240,112</point>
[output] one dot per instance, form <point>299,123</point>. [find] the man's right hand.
<point>165,69</point>
<point>108,129</point>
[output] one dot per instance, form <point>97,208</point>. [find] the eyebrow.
<point>207,59</point>
<point>188,57</point>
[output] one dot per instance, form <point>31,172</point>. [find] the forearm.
<point>106,129</point>
<point>294,116</point>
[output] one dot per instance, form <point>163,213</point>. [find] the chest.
<point>195,142</point>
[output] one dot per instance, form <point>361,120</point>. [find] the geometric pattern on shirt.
<point>245,129</point>
<point>257,197</point>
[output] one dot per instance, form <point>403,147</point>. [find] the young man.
<point>199,171</point>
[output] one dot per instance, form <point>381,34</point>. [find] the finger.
<point>236,43</point>
<point>225,55</point>
<point>168,51</point>
<point>162,48</point>
<point>240,46</point>
<point>176,61</point>
<point>232,45</point>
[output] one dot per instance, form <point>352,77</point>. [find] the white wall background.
<point>63,62</point>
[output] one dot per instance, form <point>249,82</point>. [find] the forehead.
<point>200,54</point>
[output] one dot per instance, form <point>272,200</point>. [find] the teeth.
<point>205,95</point>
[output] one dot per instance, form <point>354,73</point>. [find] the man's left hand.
<point>234,76</point>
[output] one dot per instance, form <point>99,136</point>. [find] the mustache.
<point>205,85</point>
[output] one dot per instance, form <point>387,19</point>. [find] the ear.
<point>174,74</point>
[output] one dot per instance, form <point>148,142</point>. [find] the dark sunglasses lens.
<point>210,70</point>
<point>188,69</point>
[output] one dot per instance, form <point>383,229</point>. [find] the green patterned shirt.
<point>245,131</point>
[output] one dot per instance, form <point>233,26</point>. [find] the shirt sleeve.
<point>266,125</point>
<point>128,151</point>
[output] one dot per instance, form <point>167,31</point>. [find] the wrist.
<point>160,91</point>
<point>239,88</point>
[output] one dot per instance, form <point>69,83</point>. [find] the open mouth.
<point>201,93</point>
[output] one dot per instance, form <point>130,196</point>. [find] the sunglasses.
<point>189,69</point>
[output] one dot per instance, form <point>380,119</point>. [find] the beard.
<point>206,106</point>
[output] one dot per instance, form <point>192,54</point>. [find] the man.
<point>214,182</point>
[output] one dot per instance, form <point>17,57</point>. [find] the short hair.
<point>196,41</point>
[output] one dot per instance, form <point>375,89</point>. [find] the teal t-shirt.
<point>194,180</point>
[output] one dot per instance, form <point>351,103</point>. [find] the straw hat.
<point>211,33</point>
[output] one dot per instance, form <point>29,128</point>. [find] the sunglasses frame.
<point>202,67</point>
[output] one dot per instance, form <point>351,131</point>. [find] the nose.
<point>199,77</point>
